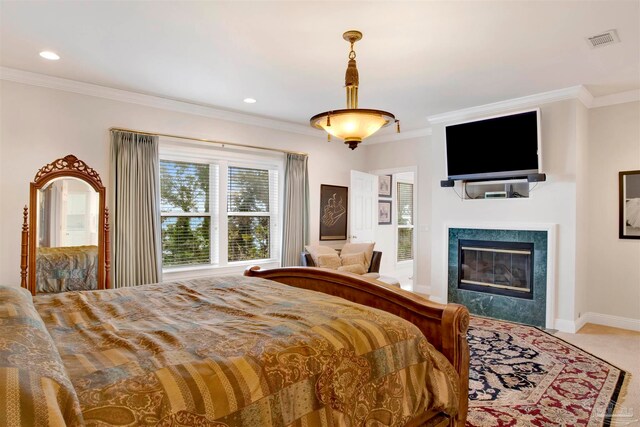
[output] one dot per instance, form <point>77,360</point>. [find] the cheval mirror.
<point>65,243</point>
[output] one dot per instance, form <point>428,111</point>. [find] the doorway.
<point>396,237</point>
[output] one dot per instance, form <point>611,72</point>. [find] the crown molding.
<point>575,92</point>
<point>616,98</point>
<point>580,93</point>
<point>583,95</point>
<point>393,137</point>
<point>57,83</point>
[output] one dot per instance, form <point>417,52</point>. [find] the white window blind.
<point>251,200</point>
<point>405,221</point>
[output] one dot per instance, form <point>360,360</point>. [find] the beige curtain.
<point>135,209</point>
<point>295,227</point>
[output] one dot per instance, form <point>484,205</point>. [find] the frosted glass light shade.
<point>352,125</point>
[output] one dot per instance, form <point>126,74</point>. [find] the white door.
<point>363,194</point>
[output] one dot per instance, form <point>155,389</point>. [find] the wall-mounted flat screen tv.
<point>501,147</point>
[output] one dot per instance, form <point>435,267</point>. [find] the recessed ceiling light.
<point>52,56</point>
<point>250,100</point>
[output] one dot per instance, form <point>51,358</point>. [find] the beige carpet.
<point>622,349</point>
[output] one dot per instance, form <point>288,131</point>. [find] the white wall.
<point>583,151</point>
<point>582,200</point>
<point>413,152</point>
<point>39,125</point>
<point>386,234</point>
<point>613,268</point>
<point>553,201</point>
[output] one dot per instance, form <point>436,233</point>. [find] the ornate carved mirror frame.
<point>68,166</point>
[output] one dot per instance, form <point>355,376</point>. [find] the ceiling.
<point>416,58</point>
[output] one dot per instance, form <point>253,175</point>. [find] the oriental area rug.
<point>522,376</point>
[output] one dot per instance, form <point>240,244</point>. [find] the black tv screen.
<point>494,148</point>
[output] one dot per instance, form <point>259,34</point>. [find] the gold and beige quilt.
<point>63,269</point>
<point>219,351</point>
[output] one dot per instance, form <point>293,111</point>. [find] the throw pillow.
<point>331,261</point>
<point>354,259</point>
<point>353,268</point>
<point>354,248</point>
<point>315,250</point>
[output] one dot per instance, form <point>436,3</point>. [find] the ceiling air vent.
<point>604,39</point>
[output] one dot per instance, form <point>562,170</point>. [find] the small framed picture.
<point>384,185</point>
<point>629,184</point>
<point>384,212</point>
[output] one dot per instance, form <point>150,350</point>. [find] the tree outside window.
<point>248,214</point>
<point>186,217</point>
<point>405,221</point>
<point>189,197</point>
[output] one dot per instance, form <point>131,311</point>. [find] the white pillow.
<point>331,261</point>
<point>354,248</point>
<point>316,250</point>
<point>354,259</point>
<point>353,268</point>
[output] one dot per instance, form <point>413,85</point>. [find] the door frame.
<point>416,225</point>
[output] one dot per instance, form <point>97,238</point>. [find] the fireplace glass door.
<point>503,268</point>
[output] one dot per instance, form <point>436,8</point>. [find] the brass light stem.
<point>352,96</point>
<point>352,124</point>
<point>355,91</point>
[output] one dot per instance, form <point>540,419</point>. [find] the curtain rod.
<point>206,140</point>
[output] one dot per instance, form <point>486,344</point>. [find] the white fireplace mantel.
<point>550,228</point>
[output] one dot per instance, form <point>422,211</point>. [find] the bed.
<point>63,269</point>
<point>234,351</point>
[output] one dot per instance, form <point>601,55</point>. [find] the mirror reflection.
<point>67,236</point>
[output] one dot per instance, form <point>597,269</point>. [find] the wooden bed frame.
<point>444,326</point>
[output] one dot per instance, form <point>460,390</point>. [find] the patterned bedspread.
<point>232,351</point>
<point>72,268</point>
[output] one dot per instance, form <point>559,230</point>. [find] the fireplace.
<point>500,273</point>
<point>495,267</point>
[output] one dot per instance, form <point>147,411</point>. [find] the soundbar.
<point>537,177</point>
<point>534,177</point>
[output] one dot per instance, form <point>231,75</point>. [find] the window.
<point>218,211</point>
<point>248,204</point>
<point>186,214</point>
<point>405,221</point>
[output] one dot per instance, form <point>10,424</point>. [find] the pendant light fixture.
<point>352,124</point>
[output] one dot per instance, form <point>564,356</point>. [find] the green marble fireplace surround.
<point>528,311</point>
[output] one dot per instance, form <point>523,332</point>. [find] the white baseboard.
<point>582,320</point>
<point>572,327</point>
<point>564,325</point>
<point>608,320</point>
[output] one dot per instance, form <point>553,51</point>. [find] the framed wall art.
<point>384,212</point>
<point>333,212</point>
<point>384,185</point>
<point>629,187</point>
